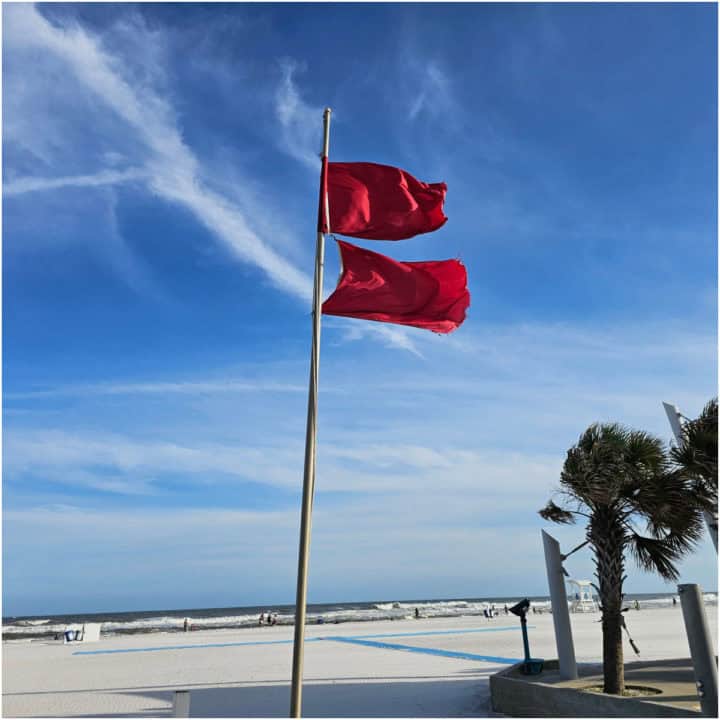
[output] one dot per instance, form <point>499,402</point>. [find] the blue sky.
<point>160,180</point>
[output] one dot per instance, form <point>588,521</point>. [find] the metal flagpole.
<point>310,438</point>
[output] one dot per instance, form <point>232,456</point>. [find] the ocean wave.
<point>125,623</point>
<point>29,630</point>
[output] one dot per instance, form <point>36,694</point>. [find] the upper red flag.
<point>380,202</point>
<point>431,295</point>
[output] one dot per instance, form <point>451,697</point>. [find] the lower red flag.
<point>431,295</point>
<point>381,202</point>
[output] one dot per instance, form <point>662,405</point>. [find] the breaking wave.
<point>171,621</point>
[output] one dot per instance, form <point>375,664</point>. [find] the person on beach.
<point>674,601</point>
<point>505,609</point>
<point>637,605</point>
<point>185,625</point>
<point>417,613</point>
<point>261,619</point>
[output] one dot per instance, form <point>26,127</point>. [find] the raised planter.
<point>546,695</point>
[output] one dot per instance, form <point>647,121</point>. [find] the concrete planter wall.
<point>521,695</point>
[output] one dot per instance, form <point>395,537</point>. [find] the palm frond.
<point>646,452</point>
<point>697,453</point>
<point>670,504</point>
<point>686,531</point>
<point>653,555</point>
<point>554,513</point>
<point>593,469</point>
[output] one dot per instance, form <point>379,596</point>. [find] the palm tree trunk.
<point>613,668</point>
<point>607,537</point>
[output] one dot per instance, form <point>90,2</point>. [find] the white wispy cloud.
<point>427,88</point>
<point>112,484</point>
<point>206,387</point>
<point>300,123</point>
<point>57,218</point>
<point>55,453</point>
<point>104,177</point>
<point>434,95</point>
<point>552,380</point>
<point>232,556</point>
<point>389,335</point>
<point>451,468</point>
<point>174,171</point>
<point>72,458</point>
<point>126,262</point>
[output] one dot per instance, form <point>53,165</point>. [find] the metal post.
<point>674,416</point>
<point>181,704</point>
<point>712,526</point>
<point>701,649</point>
<point>310,439</point>
<point>560,612</point>
<point>526,642</point>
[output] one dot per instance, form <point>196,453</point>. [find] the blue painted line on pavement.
<point>188,647</point>
<point>440,632</point>
<point>343,638</point>
<point>427,651</point>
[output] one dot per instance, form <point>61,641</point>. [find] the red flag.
<point>431,295</point>
<point>380,202</point>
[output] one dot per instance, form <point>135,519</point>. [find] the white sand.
<point>341,679</point>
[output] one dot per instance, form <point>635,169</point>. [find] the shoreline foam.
<point>172,621</point>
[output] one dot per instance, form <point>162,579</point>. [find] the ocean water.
<point>169,621</point>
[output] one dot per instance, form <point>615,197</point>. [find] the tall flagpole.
<point>310,437</point>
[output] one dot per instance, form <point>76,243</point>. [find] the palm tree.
<point>697,456</point>
<point>620,481</point>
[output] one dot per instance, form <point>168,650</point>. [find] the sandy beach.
<point>409,668</point>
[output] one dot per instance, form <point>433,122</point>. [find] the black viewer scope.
<point>531,666</point>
